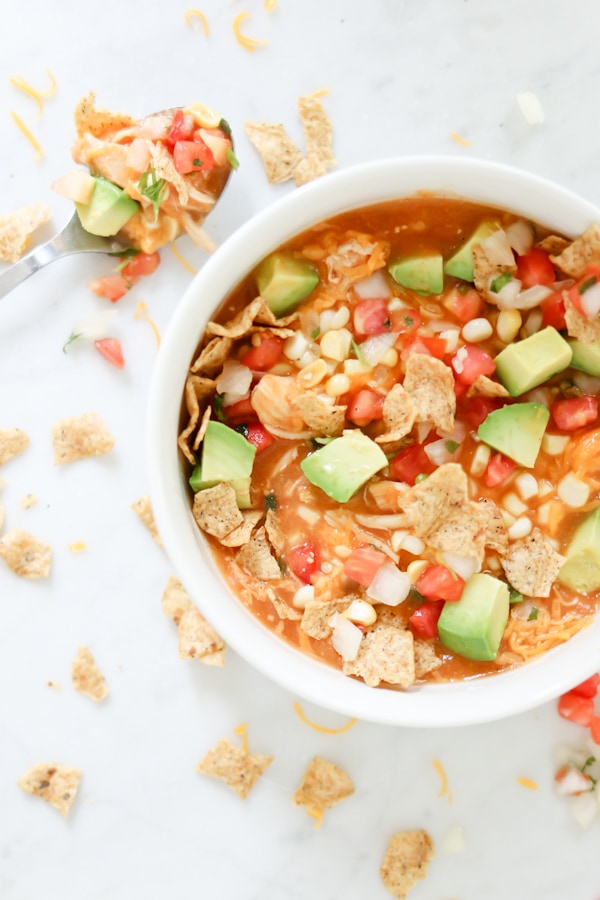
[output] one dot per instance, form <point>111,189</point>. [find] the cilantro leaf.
<point>232,159</point>
<point>359,354</point>
<point>72,337</point>
<point>532,615</point>
<point>127,253</point>
<point>153,188</point>
<point>270,501</point>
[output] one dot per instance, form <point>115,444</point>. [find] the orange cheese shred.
<point>247,43</point>
<point>528,783</point>
<point>444,791</point>
<point>192,14</point>
<point>321,728</point>
<point>19,82</point>
<point>459,140</point>
<point>270,5</point>
<point>25,130</point>
<point>241,730</point>
<point>140,313</point>
<point>181,259</point>
<point>77,546</point>
<point>316,813</point>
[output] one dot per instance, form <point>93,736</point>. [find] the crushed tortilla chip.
<point>552,244</point>
<point>485,271</point>
<point>27,556</point>
<point>318,137</point>
<point>578,325</point>
<point>320,414</point>
<point>323,785</point>
<point>99,122</point>
<point>143,508</point>
<point>583,250</point>
<point>406,860</point>
<point>487,387</point>
<point>317,612</point>
<point>425,658</point>
<point>197,392</point>
<point>216,511</point>
<point>279,154</point>
<point>213,357</point>
<point>175,600</point>
<point>87,677</point>
<point>385,654</point>
<point>256,557</point>
<point>532,565</point>
<point>430,384</point>
<point>399,413</point>
<point>356,257</point>
<point>79,438</point>
<point>496,533</point>
<point>28,501</point>
<point>241,323</point>
<point>12,442</point>
<point>239,769</point>
<point>308,169</point>
<point>16,230</point>
<point>284,610</point>
<point>199,640</point>
<point>54,783</point>
<point>242,534</point>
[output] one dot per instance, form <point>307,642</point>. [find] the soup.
<point>391,437</point>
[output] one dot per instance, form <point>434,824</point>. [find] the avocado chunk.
<point>516,431</point>
<point>424,274</point>
<point>525,364</point>
<point>226,456</point>
<point>108,210</point>
<point>473,626</point>
<point>283,281</point>
<point>461,264</point>
<point>586,357</point>
<point>343,465</point>
<point>581,572</point>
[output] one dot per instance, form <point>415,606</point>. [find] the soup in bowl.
<point>374,437</point>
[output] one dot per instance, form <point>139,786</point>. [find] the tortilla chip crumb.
<point>17,227</point>
<point>12,442</point>
<point>54,684</point>
<point>430,384</point>
<point>87,677</point>
<point>175,600</point>
<point>80,437</point>
<point>256,557</point>
<point>323,785</point>
<point>27,556</point>
<point>585,249</point>
<point>28,501</point>
<point>579,326</point>
<point>215,510</point>
<point>406,860</point>
<point>279,154</point>
<point>54,783</point>
<point>532,565</point>
<point>143,508</point>
<point>77,546</point>
<point>239,769</point>
<point>386,653</point>
<point>199,640</point>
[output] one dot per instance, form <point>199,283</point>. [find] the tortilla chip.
<point>320,414</point>
<point>199,640</point>
<point>308,169</point>
<point>27,556</point>
<point>235,766</point>
<point>355,256</point>
<point>216,511</point>
<point>552,244</point>
<point>87,677</point>
<point>28,501</point>
<point>242,534</point>
<point>496,533</point>
<point>440,496</point>
<point>425,658</point>
<point>386,653</point>
<point>485,271</point>
<point>256,557</point>
<point>317,612</point>
<point>164,167</point>
<point>323,785</point>
<point>532,565</point>
<point>12,442</point>
<point>99,122</point>
<point>279,154</point>
<point>578,325</point>
<point>79,438</point>
<point>399,413</point>
<point>175,600</point>
<point>406,860</point>
<point>17,227</point>
<point>143,508</point>
<point>430,384</point>
<point>274,531</point>
<point>487,387</point>
<point>212,358</point>
<point>197,393</point>
<point>54,783</point>
<point>284,610</point>
<point>583,250</point>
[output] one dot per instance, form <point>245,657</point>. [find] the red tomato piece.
<point>470,361</point>
<point>439,583</point>
<point>365,406</point>
<point>595,729</point>
<point>475,410</point>
<point>465,306</point>
<point>111,349</point>
<point>239,412</point>
<point>372,316</point>
<point>258,435</point>
<point>363,564</point>
<point>535,267</point>
<point>409,463</point>
<point>405,320</point>
<point>574,412</point>
<point>263,356</point>
<point>431,346</point>
<point>192,156</point>
<point>113,287</point>
<point>423,621</point>
<point>304,560</point>
<point>499,469</point>
<point>553,309</point>
<point>141,264</point>
<point>182,128</point>
<point>587,688</point>
<point>576,709</point>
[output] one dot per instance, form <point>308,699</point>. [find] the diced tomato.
<point>430,346</point>
<point>111,349</point>
<point>535,267</point>
<point>439,583</point>
<point>304,560</point>
<point>470,361</point>
<point>587,688</point>
<point>363,564</point>
<point>405,320</point>
<point>423,621</point>
<point>574,412</point>
<point>576,709</point>
<point>238,412</point>
<point>475,410</point>
<point>499,469</point>
<point>595,729</point>
<point>553,310</point>
<point>182,128</point>
<point>409,463</point>
<point>465,306</point>
<point>365,406</point>
<point>113,287</point>
<point>258,435</point>
<point>264,355</point>
<point>192,156</point>
<point>372,316</point>
<point>141,264</point>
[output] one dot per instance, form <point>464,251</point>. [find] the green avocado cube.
<point>460,265</point>
<point>516,430</point>
<point>343,465</point>
<point>108,210</point>
<point>424,274</point>
<point>581,572</point>
<point>226,457</point>
<point>473,626</point>
<point>283,281</point>
<point>526,364</point>
<point>586,357</point>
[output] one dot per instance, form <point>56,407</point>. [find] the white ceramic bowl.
<point>459,703</point>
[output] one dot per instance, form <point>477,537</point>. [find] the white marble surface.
<point>402,75</point>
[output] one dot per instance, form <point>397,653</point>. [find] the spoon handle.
<point>26,267</point>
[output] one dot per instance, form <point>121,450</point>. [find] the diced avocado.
<point>473,626</point>
<point>586,357</point>
<point>525,364</point>
<point>516,431</point>
<point>424,274</point>
<point>226,456</point>
<point>283,281</point>
<point>343,465</point>
<point>581,572</point>
<point>461,264</point>
<point>108,210</point>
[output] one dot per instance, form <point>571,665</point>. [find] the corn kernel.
<point>572,491</point>
<point>513,505</point>
<point>303,595</point>
<point>507,324</point>
<point>332,346</point>
<point>360,612</point>
<point>390,358</point>
<point>520,528</point>
<point>313,374</point>
<point>526,485</point>
<point>477,330</point>
<point>340,317</point>
<point>415,569</point>
<point>295,346</point>
<point>554,444</point>
<point>481,458</point>
<point>337,384</point>
<point>533,323</point>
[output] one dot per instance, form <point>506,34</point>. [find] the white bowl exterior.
<point>459,703</point>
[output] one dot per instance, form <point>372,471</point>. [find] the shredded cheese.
<point>270,5</point>
<point>247,43</point>
<point>196,14</point>
<point>459,140</point>
<point>321,728</point>
<point>25,130</point>
<point>77,546</point>
<point>316,813</point>
<point>528,783</point>
<point>444,791</point>
<point>241,730</point>
<point>140,313</point>
<point>19,82</point>
<point>181,259</point>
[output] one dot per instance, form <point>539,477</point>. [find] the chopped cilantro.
<point>153,188</point>
<point>515,596</point>
<point>72,337</point>
<point>588,283</point>
<point>241,429</point>
<point>218,407</point>
<point>232,159</point>
<point>225,127</point>
<point>315,333</point>
<point>359,354</point>
<point>589,762</point>
<point>451,446</point>
<point>423,476</point>
<point>415,595</point>
<point>197,162</point>
<point>282,565</point>
<point>408,320</point>
<point>270,501</point>
<point>127,253</point>
<point>387,323</point>
<point>499,282</point>
<point>533,614</point>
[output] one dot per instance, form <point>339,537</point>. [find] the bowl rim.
<point>432,705</point>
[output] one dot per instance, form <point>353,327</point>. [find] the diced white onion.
<point>303,595</point>
<point>532,296</point>
<point>572,782</point>
<point>514,506</point>
<point>95,326</point>
<point>385,522</point>
<point>451,337</point>
<point>543,513</point>
<point>397,538</point>
<point>390,585</point>
<point>439,453</point>
<point>572,491</point>
<point>458,433</point>
<point>413,545</point>
<point>554,444</point>
<point>520,528</point>
<point>234,381</point>
<point>506,297</point>
<point>295,346</point>
<point>533,323</point>
<point>374,348</point>
<point>481,458</point>
<point>439,325</point>
<point>423,430</point>
<point>453,841</point>
<point>520,236</point>
<point>465,566</point>
<point>458,360</point>
<point>587,384</point>
<point>527,485</point>
<point>590,301</point>
<point>565,755</point>
<point>345,637</point>
<point>530,106</point>
<point>477,330</point>
<point>375,286</point>
<point>497,249</point>
<point>584,809</point>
